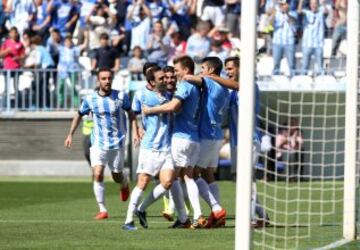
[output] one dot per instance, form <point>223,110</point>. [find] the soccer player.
<point>108,136</point>
<point>232,65</point>
<point>185,139</point>
<point>155,155</point>
<point>214,103</point>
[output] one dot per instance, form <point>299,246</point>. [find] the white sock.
<point>155,194</point>
<point>214,189</point>
<point>193,193</point>
<point>134,199</point>
<point>99,192</point>
<point>205,193</point>
<point>177,194</point>
<point>253,202</point>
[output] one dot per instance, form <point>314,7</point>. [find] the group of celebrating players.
<point>180,136</point>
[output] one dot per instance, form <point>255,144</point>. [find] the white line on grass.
<point>333,245</point>
<point>74,221</point>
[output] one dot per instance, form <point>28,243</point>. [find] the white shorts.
<point>214,14</point>
<point>209,153</point>
<point>185,153</point>
<point>152,162</point>
<point>113,158</point>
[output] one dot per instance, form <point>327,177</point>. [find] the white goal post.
<point>349,212</point>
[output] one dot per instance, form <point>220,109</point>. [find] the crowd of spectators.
<point>159,30</point>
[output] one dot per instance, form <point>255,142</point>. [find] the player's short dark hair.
<point>213,62</point>
<point>186,62</point>
<point>105,69</point>
<point>234,59</point>
<point>169,69</point>
<point>150,74</point>
<point>147,66</point>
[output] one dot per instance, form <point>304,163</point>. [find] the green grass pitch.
<point>46,213</point>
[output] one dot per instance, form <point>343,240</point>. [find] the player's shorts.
<point>209,153</point>
<point>152,162</point>
<point>185,153</point>
<point>113,158</point>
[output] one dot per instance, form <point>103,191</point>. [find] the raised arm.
<point>300,6</point>
<point>228,83</point>
<point>197,80</point>
<point>173,106</point>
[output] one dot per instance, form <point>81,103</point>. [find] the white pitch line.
<point>333,245</point>
<point>75,221</point>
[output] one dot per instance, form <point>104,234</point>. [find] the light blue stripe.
<point>108,118</point>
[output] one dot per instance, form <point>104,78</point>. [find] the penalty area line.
<point>333,245</point>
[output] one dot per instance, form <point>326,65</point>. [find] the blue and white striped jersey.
<point>234,113</point>
<point>213,106</point>
<point>157,126</point>
<point>109,118</point>
<point>284,28</point>
<point>314,29</point>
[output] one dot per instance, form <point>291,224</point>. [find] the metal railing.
<point>42,90</point>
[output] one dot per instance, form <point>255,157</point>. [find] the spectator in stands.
<point>106,56</point>
<point>64,15</point>
<point>42,61</point>
<point>68,68</point>
<point>284,36</point>
<point>157,46</point>
<point>177,47</point>
<point>12,51</point>
<point>289,142</point>
<point>233,11</point>
<point>218,51</point>
<point>100,22</point>
<point>41,19</point>
<point>136,64</point>
<point>52,45</point>
<point>213,12</point>
<point>139,17</point>
<point>198,44</point>
<point>19,14</point>
<point>180,10</point>
<point>340,25</point>
<point>158,10</point>
<point>313,35</point>
<point>86,8</point>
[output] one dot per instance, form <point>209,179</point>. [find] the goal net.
<point>307,177</point>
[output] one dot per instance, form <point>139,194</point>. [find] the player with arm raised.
<point>185,139</point>
<point>155,155</point>
<point>214,103</point>
<point>108,136</point>
<point>232,65</point>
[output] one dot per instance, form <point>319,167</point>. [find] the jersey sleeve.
<point>84,108</point>
<point>136,103</point>
<point>182,91</point>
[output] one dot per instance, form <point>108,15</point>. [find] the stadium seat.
<point>326,82</point>
<point>280,82</point>
<point>85,62</point>
<point>284,67</point>
<point>301,82</point>
<point>2,84</point>
<point>25,81</point>
<point>265,66</point>
<point>343,47</point>
<point>327,48</point>
<point>121,80</point>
